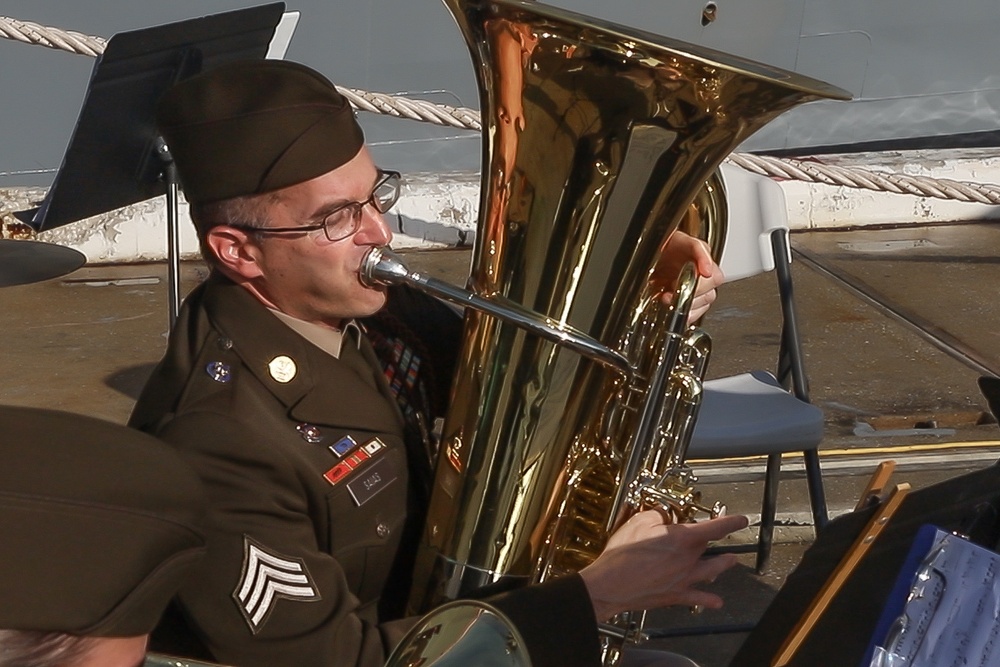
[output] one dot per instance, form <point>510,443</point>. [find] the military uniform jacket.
<point>311,528</point>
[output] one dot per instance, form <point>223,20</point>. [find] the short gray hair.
<point>249,211</point>
<point>26,648</point>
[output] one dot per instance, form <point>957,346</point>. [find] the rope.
<point>402,107</point>
<point>814,172</point>
<point>464,118</point>
<point>32,33</point>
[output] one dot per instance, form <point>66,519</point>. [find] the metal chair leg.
<point>817,496</point>
<point>768,511</point>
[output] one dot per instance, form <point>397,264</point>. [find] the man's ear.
<point>235,250</point>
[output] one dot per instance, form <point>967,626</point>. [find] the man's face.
<point>308,276</point>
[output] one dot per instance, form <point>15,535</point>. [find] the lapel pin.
<point>219,371</point>
<point>309,432</point>
<point>282,369</point>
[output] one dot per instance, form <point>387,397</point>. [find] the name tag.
<point>372,480</point>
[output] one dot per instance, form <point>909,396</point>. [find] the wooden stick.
<point>876,485</point>
<point>841,574</point>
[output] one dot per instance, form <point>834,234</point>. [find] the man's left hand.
<point>680,249</point>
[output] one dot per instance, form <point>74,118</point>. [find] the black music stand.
<point>968,504</point>
<point>115,156</point>
<point>23,262</point>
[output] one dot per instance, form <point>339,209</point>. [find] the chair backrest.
<point>757,236</point>
<point>756,209</point>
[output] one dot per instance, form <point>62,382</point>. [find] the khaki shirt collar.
<point>328,339</point>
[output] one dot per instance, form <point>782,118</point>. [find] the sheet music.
<point>951,609</point>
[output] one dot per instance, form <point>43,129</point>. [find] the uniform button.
<point>382,530</point>
<point>225,343</point>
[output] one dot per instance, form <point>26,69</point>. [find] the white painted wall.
<point>441,210</point>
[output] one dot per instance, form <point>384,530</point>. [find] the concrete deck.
<point>897,324</point>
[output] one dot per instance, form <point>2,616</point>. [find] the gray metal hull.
<point>923,73</point>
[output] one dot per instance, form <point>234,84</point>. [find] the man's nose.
<point>373,229</point>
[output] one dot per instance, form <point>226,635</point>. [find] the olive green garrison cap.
<point>99,524</point>
<point>253,126</point>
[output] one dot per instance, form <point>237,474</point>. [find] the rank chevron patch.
<point>267,577</point>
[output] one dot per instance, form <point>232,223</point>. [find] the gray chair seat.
<point>751,414</point>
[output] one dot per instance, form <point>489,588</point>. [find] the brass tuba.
<point>598,140</point>
<point>457,634</point>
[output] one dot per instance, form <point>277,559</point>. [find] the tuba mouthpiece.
<point>382,267</point>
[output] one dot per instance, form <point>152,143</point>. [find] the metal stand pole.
<point>173,235</point>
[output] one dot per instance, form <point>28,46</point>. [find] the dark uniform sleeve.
<point>556,620</point>
<point>267,594</point>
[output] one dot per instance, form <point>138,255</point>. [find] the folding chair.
<point>758,412</point>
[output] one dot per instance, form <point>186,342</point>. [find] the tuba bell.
<point>599,141</point>
<point>457,634</point>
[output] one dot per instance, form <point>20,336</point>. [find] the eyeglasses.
<point>345,220</point>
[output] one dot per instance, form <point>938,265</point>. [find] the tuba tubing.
<point>651,417</point>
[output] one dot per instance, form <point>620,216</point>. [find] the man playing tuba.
<point>271,390</point>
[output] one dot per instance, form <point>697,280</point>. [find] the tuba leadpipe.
<point>381,266</point>
<point>597,141</point>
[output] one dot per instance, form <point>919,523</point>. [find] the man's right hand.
<point>650,563</point>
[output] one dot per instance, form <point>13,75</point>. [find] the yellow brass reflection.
<point>600,145</point>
